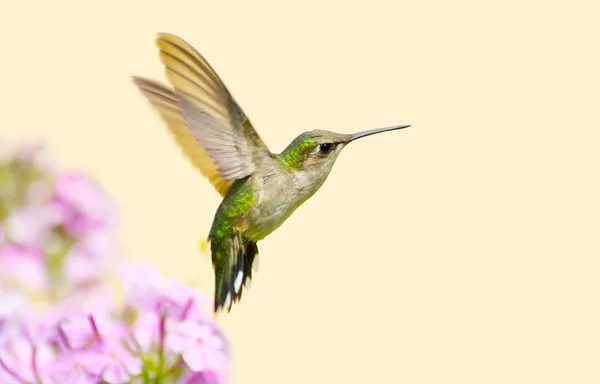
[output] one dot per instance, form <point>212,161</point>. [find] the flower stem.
<point>161,344</point>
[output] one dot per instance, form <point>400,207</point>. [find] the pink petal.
<point>195,358</point>
<point>18,352</point>
<point>12,303</point>
<point>23,266</point>
<point>18,357</point>
<point>200,378</point>
<point>78,267</point>
<point>115,373</point>
<point>86,201</point>
<point>145,329</point>
<point>191,329</point>
<point>30,225</point>
<point>97,299</point>
<point>132,364</point>
<point>182,335</point>
<point>179,343</point>
<point>76,376</point>
<point>96,363</point>
<point>110,328</point>
<point>122,356</point>
<point>77,330</point>
<point>69,369</point>
<point>44,355</point>
<point>7,378</point>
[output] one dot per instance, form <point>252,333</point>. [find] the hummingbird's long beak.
<point>358,135</point>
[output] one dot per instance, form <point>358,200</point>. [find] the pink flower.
<point>147,290</point>
<point>88,216</point>
<point>70,368</point>
<point>30,225</point>
<point>59,236</point>
<point>15,357</point>
<point>23,359</point>
<point>95,347</point>
<point>146,330</point>
<point>110,361</point>
<point>87,260</point>
<point>80,330</point>
<point>13,304</point>
<point>115,363</point>
<point>191,377</point>
<point>83,205</point>
<point>202,347</point>
<point>22,265</point>
<point>97,299</point>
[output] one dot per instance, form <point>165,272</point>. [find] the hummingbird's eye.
<point>325,148</point>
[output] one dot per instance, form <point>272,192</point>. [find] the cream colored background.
<point>461,250</point>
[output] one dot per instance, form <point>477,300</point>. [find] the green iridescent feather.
<point>293,156</point>
<point>239,201</point>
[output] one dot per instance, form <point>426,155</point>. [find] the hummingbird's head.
<point>314,151</point>
<point>310,157</point>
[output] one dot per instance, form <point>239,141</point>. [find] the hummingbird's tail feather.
<point>234,259</point>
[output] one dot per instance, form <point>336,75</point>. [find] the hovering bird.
<point>260,189</point>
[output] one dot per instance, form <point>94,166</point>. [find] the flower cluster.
<point>161,334</point>
<point>57,231</point>
<point>56,235</point>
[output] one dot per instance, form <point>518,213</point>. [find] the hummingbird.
<point>260,189</point>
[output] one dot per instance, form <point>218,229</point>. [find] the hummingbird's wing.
<point>164,102</point>
<point>214,118</point>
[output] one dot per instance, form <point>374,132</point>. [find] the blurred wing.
<point>165,103</point>
<point>214,118</point>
